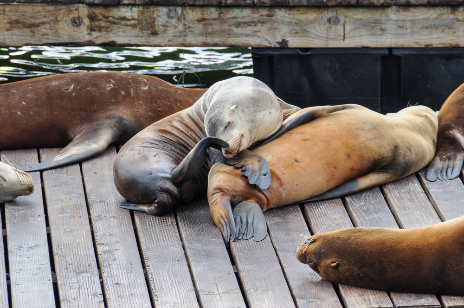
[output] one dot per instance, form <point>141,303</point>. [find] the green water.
<point>190,67</point>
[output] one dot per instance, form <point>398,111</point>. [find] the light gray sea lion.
<point>340,152</point>
<point>14,183</point>
<point>168,162</point>
<point>87,110</point>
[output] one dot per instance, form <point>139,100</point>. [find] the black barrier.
<point>383,80</point>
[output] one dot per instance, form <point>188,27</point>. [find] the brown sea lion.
<point>89,110</point>
<point>336,154</point>
<point>447,163</point>
<point>157,168</point>
<point>14,183</point>
<point>422,260</point>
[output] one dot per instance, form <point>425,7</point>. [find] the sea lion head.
<point>321,253</point>
<point>144,179</point>
<point>241,111</point>
<point>14,183</point>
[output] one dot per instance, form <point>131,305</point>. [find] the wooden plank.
<point>134,2</point>
<point>210,264</point>
<point>101,2</point>
<point>288,230</point>
<point>263,282</point>
<point>75,262</point>
<point>204,2</point>
<point>410,2</point>
<point>295,27</point>
<point>28,255</point>
<point>375,2</point>
<point>447,197</point>
<point>368,208</point>
<point>165,262</point>
<point>330,215</point>
<point>120,264</point>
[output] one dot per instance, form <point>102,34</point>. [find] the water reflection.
<point>192,67</point>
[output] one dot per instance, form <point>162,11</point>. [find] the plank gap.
<point>100,276</point>
<point>186,257</point>
<point>49,239</point>
<point>140,251</point>
<point>5,253</point>
<point>281,267</point>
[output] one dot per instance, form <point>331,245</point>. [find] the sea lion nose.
<point>31,189</point>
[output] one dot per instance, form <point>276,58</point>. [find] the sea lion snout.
<point>305,253</point>
<point>14,183</point>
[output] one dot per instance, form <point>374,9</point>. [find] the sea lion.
<point>14,183</point>
<point>421,260</point>
<point>92,110</point>
<point>447,163</point>
<point>158,168</point>
<point>336,154</point>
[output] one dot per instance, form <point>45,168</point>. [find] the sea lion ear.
<point>233,108</point>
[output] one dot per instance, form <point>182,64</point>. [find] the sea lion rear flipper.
<point>249,221</point>
<point>369,180</point>
<point>301,117</point>
<point>89,142</point>
<point>195,159</point>
<point>287,109</point>
<point>447,167</point>
<point>253,166</point>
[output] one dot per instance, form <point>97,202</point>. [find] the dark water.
<point>191,67</point>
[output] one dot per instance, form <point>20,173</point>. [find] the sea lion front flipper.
<point>195,159</point>
<point>301,117</point>
<point>253,166</point>
<point>152,209</point>
<point>369,180</point>
<point>249,221</point>
<point>92,140</point>
<point>221,212</point>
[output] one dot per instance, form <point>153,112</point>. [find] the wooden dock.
<point>69,244</point>
<point>239,23</point>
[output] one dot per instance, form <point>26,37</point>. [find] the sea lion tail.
<point>195,159</point>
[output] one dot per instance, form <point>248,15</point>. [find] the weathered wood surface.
<point>368,208</point>
<point>118,255</point>
<point>287,230</point>
<point>306,27</point>
<point>28,255</point>
<point>210,264</point>
<point>167,269</point>
<point>73,254</point>
<point>259,270</point>
<point>258,3</point>
<point>330,215</point>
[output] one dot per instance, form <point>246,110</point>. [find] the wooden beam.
<point>343,27</point>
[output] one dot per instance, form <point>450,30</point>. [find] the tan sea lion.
<point>336,154</point>
<point>447,163</point>
<point>168,162</point>
<point>14,183</point>
<point>422,260</point>
<point>89,110</point>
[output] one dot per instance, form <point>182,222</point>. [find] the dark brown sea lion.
<point>336,154</point>
<point>157,168</point>
<point>447,163</point>
<point>423,260</point>
<point>90,110</point>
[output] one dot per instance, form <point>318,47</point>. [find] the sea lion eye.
<point>227,125</point>
<point>1,177</point>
